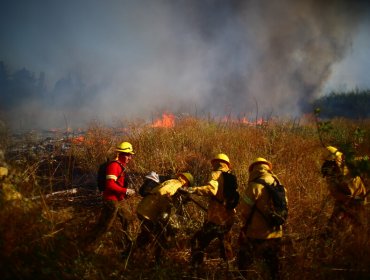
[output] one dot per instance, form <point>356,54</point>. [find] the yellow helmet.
<point>189,178</point>
<point>333,153</point>
<point>259,160</point>
<point>125,147</point>
<point>221,157</point>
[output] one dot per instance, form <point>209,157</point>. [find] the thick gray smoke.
<point>128,59</point>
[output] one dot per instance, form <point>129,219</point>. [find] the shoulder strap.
<point>276,179</point>
<point>123,168</point>
<point>120,164</point>
<point>264,183</point>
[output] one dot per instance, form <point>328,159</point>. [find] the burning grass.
<point>40,237</point>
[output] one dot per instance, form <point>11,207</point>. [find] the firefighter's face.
<point>124,157</point>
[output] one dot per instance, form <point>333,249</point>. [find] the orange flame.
<point>167,120</point>
<point>78,139</point>
<point>259,121</point>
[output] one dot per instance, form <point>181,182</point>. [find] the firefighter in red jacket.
<point>114,193</point>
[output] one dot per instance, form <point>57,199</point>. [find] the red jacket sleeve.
<point>115,180</point>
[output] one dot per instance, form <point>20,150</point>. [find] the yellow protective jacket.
<point>346,189</point>
<point>257,196</point>
<point>156,203</point>
<point>217,212</point>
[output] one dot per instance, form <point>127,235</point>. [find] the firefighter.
<point>114,194</point>
<point>154,212</point>
<point>258,238</point>
<point>348,191</point>
<point>219,220</point>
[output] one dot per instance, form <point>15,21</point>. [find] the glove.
<point>186,190</point>
<point>182,191</point>
<point>190,190</point>
<point>164,216</point>
<point>130,192</point>
<point>358,200</point>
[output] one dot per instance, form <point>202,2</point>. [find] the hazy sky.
<point>354,69</point>
<point>138,57</point>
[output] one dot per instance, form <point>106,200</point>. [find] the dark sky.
<point>139,57</point>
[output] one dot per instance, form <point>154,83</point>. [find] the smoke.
<point>131,59</point>
<point>300,43</point>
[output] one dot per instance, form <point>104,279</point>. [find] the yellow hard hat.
<point>333,153</point>
<point>259,160</point>
<point>188,177</point>
<point>221,157</point>
<point>125,147</point>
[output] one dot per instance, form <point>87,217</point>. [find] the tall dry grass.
<point>39,237</point>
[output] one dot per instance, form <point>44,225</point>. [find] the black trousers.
<point>267,250</point>
<point>203,238</point>
<point>154,235</point>
<point>110,212</point>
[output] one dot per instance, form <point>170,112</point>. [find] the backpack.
<point>231,193</point>
<point>279,206</point>
<point>102,173</point>
<point>151,181</point>
<point>330,169</point>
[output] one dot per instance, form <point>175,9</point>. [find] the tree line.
<point>20,87</point>
<point>353,104</point>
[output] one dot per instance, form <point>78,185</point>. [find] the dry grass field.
<point>40,233</point>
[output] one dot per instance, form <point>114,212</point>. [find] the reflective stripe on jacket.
<point>115,181</point>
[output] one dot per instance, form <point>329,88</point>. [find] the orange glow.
<point>167,120</point>
<point>78,140</point>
